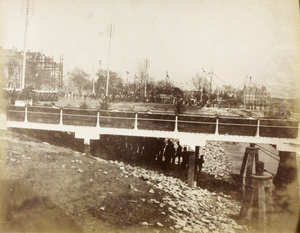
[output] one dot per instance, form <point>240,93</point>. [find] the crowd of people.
<point>165,153</point>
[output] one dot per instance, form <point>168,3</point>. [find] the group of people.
<point>171,154</point>
<point>151,150</point>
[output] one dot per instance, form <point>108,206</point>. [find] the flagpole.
<point>110,35</point>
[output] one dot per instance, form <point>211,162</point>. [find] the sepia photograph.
<point>150,116</point>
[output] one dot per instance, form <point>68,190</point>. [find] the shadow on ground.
<point>24,211</point>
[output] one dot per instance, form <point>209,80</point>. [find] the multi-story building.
<point>255,95</point>
<point>42,72</point>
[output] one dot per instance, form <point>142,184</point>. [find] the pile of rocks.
<point>191,209</point>
<point>216,163</point>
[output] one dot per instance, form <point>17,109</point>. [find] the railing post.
<point>61,117</point>
<point>217,127</point>
<point>298,132</point>
<point>98,119</point>
<point>135,121</point>
<point>176,124</point>
<point>257,130</point>
<point>26,119</point>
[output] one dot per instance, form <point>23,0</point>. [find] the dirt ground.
<point>45,188</point>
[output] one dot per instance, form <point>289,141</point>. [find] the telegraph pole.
<point>110,34</point>
<point>210,88</point>
<point>146,76</point>
<point>28,15</point>
<point>93,78</point>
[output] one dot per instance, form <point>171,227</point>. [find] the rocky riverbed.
<point>56,189</point>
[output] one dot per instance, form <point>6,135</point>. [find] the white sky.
<point>234,38</point>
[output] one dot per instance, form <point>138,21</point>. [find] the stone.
<point>178,226</point>
<point>13,159</point>
<point>105,173</point>
<point>144,223</point>
<point>188,229</point>
<point>151,191</point>
<point>79,170</point>
<point>159,224</point>
<point>63,166</point>
<point>203,219</point>
<point>102,208</point>
<point>180,222</point>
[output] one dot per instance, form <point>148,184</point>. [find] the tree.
<point>142,79</point>
<point>115,87</point>
<point>80,81</point>
<point>14,72</point>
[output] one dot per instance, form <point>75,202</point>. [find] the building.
<point>42,72</point>
<point>255,95</point>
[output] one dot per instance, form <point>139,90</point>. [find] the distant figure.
<point>161,147</point>
<point>169,153</point>
<point>178,153</point>
<point>185,158</point>
<point>200,162</point>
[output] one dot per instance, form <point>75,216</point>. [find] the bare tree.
<point>201,85</point>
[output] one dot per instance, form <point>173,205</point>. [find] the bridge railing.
<point>157,121</point>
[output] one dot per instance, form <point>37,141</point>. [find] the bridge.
<point>192,130</point>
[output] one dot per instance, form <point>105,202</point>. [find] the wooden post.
<point>197,149</point>
<point>298,172</point>
<point>87,146</point>
<point>250,158</point>
<point>191,169</point>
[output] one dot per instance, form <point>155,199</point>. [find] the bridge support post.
<point>249,161</point>
<point>98,119</point>
<point>192,169</point>
<point>217,127</point>
<point>257,130</point>
<point>298,172</point>
<point>135,121</point>
<point>26,119</point>
<point>3,122</point>
<point>61,117</point>
<point>87,146</point>
<point>176,124</point>
<point>87,136</point>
